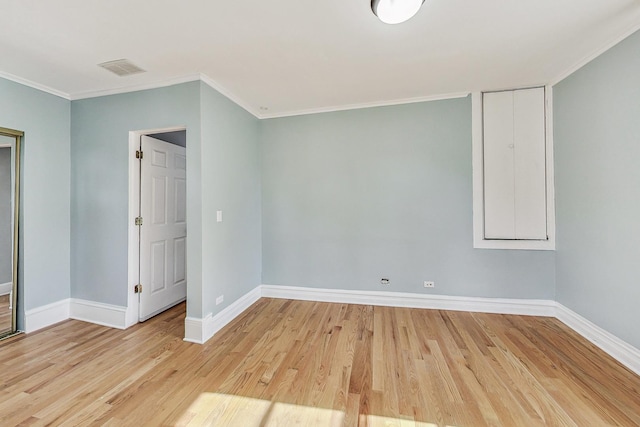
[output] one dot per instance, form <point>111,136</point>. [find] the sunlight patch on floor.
<point>379,421</point>
<point>215,409</point>
<point>211,409</point>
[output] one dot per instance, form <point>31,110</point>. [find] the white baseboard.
<point>194,329</point>
<point>623,352</point>
<point>400,299</point>
<point>131,316</point>
<point>5,288</point>
<point>200,331</point>
<point>113,316</point>
<point>46,315</point>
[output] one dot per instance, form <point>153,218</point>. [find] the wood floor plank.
<point>285,362</point>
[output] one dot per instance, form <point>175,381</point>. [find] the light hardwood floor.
<point>303,363</point>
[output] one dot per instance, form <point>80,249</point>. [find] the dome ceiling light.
<point>395,11</point>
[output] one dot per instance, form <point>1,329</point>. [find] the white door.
<point>163,234</point>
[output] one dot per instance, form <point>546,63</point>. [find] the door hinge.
<point>137,288</point>
<point>138,221</point>
<point>139,154</point>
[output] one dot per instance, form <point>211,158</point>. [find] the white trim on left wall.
<point>133,266</point>
<point>5,288</point>
<point>112,316</point>
<point>200,331</point>
<point>46,315</point>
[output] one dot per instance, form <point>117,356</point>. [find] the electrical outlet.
<point>219,299</point>
<point>384,281</point>
<point>429,284</point>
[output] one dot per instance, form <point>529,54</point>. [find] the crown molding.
<point>34,85</point>
<point>227,93</point>
<point>169,82</point>
<point>135,88</point>
<point>372,104</point>
<point>251,109</point>
<point>585,60</point>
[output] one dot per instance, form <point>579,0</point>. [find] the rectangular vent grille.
<point>121,67</point>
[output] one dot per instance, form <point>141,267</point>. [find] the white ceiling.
<point>296,56</point>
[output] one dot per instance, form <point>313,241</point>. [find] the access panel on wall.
<point>513,174</point>
<point>514,165</point>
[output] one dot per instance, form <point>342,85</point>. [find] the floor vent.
<point>121,67</point>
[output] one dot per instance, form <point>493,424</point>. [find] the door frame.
<point>15,148</point>
<point>133,247</point>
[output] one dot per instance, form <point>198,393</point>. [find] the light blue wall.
<point>99,185</point>
<point>44,118</point>
<point>597,154</point>
<point>222,174</point>
<point>351,197</point>
<point>231,183</point>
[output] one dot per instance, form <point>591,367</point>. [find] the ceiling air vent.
<point>121,67</point>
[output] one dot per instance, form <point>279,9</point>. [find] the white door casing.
<point>163,234</point>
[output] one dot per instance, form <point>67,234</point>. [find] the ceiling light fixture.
<point>395,11</point>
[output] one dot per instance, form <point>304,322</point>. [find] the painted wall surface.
<point>44,238</point>
<point>351,197</point>
<point>6,213</point>
<point>231,249</point>
<point>597,154</point>
<point>100,193</point>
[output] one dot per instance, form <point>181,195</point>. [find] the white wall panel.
<point>529,160</point>
<point>499,186</point>
<point>514,160</point>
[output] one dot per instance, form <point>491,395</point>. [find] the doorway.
<point>157,206</point>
